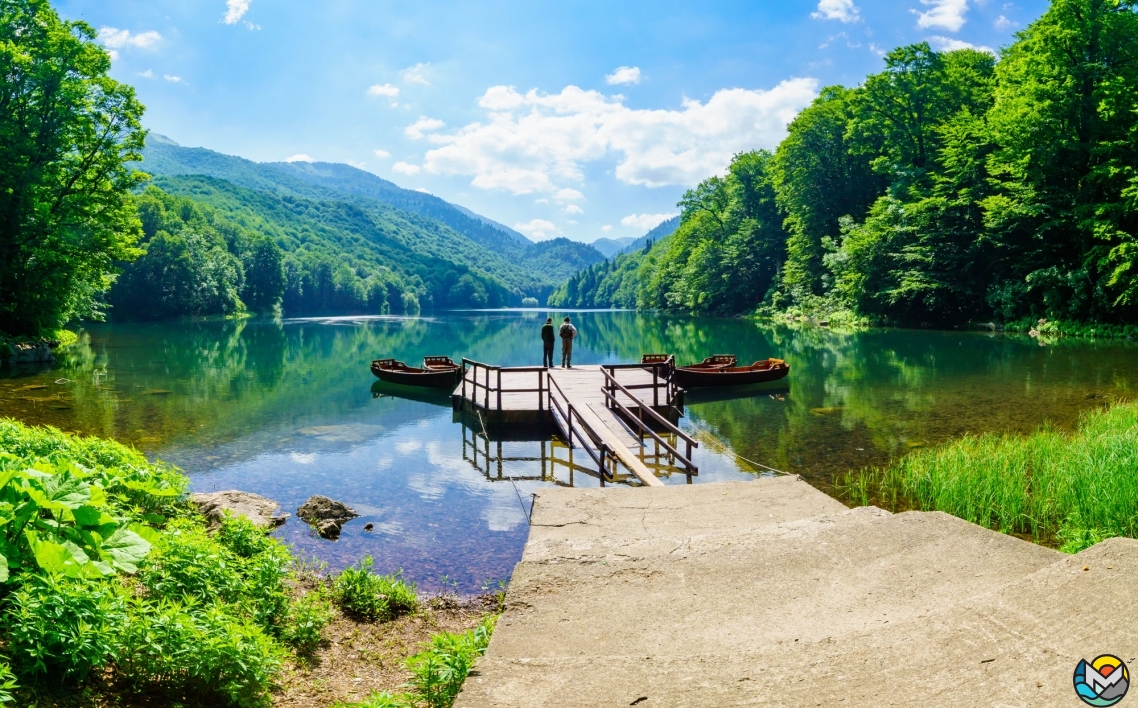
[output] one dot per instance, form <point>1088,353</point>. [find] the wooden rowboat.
<point>437,372</point>
<point>720,370</point>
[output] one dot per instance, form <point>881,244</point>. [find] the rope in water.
<point>529,514</point>
<point>706,435</point>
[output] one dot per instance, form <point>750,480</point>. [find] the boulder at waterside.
<point>326,515</point>
<point>260,510</point>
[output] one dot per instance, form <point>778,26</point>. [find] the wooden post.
<point>499,389</point>
<point>655,385</point>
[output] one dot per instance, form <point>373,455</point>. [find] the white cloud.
<point>572,222</point>
<point>1003,24</point>
<point>118,39</point>
<point>949,44</point>
<point>532,142</point>
<point>416,130</point>
<point>358,165</point>
<point>538,229</point>
<point>873,48</point>
<point>568,195</point>
<point>148,74</point>
<point>235,10</point>
<point>606,228</point>
<point>383,90</point>
<point>574,209</point>
<point>173,79</point>
<point>646,222</point>
<point>945,14</point>
<point>417,74</point>
<point>382,154</point>
<point>299,158</point>
<point>424,190</point>
<point>623,75</point>
<point>405,168</point>
<point>840,10</point>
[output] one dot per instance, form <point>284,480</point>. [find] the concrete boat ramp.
<point>770,593</point>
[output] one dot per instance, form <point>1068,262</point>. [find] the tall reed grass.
<point>1067,489</point>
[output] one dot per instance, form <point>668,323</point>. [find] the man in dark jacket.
<point>547,340</point>
<point>568,332</point>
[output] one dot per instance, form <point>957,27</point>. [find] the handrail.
<point>497,389</point>
<point>603,449</point>
<point>686,460</point>
<point>612,384</point>
<point>660,370</point>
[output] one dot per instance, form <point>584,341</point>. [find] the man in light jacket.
<point>568,332</point>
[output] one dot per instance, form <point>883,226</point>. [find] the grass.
<point>1070,490</point>
<point>365,595</point>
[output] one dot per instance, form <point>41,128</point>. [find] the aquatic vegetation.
<point>1069,489</point>
<point>370,597</point>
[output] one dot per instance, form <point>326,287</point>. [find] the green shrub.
<point>7,684</point>
<point>63,628</point>
<point>382,699</point>
<point>246,539</point>
<point>438,672</point>
<point>204,653</point>
<point>303,628</point>
<point>363,594</point>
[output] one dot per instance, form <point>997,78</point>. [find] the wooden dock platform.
<point>608,411</point>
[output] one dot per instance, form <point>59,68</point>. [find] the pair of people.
<point>567,333</point>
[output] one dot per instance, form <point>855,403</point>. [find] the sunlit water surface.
<point>288,409</point>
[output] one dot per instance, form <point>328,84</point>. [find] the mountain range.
<point>321,206</point>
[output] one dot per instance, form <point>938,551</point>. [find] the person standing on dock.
<point>568,332</point>
<point>547,343</point>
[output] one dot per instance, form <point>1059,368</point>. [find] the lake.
<point>288,409</point>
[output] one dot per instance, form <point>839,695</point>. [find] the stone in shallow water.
<point>326,515</point>
<point>260,510</point>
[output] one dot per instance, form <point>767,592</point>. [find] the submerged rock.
<point>260,510</point>
<point>325,515</point>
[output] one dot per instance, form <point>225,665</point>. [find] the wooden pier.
<point>610,412</point>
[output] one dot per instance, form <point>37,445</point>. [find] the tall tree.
<point>67,131</point>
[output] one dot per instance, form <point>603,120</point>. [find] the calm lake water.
<point>288,409</point>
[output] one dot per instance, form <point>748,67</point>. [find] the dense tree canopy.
<point>950,186</point>
<point>67,131</point>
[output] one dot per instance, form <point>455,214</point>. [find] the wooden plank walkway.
<point>580,386</point>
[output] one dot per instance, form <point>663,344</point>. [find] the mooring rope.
<point>529,514</point>
<point>716,441</point>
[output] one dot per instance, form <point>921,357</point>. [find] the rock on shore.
<point>260,510</point>
<point>327,515</point>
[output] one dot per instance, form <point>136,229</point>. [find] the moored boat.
<point>437,372</point>
<point>720,370</point>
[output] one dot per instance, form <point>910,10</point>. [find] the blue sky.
<point>577,119</point>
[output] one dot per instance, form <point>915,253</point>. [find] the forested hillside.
<point>421,222</point>
<point>951,186</point>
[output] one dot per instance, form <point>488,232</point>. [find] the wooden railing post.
<point>655,385</point>
<point>499,371</point>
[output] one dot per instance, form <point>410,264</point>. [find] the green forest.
<point>950,187</point>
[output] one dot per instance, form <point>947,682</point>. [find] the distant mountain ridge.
<point>420,221</point>
<point>665,228</point>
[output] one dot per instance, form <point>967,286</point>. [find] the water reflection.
<point>289,409</point>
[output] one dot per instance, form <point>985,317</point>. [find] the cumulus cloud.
<point>383,90</point>
<point>119,38</point>
<point>536,142</point>
<point>574,209</point>
<point>538,229</point>
<point>948,44</point>
<point>382,154</point>
<point>417,74</point>
<point>1003,24</point>
<point>623,75</point>
<point>424,125</point>
<point>945,14</point>
<point>646,222</point>
<point>173,79</point>
<point>568,195</point>
<point>235,10</point>
<point>299,158</point>
<point>840,10</point>
<point>148,74</point>
<point>405,168</point>
<point>606,228</point>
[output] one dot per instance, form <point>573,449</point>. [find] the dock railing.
<point>564,416</point>
<point>661,378</point>
<point>612,386</point>
<point>490,371</point>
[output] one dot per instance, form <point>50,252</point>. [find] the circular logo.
<point>1102,682</point>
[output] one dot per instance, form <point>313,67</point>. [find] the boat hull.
<point>728,376</point>
<point>422,378</point>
